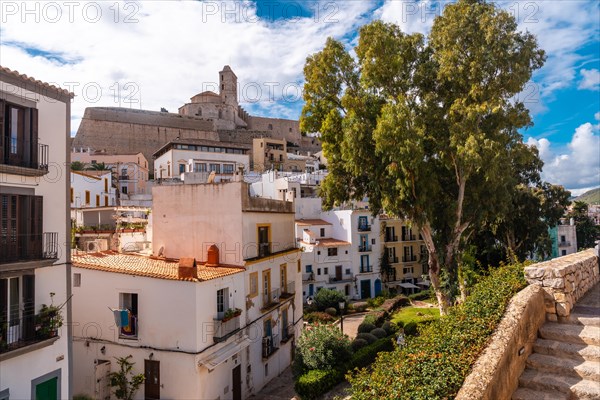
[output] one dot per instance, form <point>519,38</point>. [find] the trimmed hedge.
<point>318,316</point>
<point>424,295</point>
<point>379,333</point>
<point>367,336</point>
<point>314,383</point>
<point>434,364</point>
<point>366,327</point>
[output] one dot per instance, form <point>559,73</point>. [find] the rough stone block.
<point>556,283</point>
<point>560,297</point>
<point>533,272</point>
<point>563,309</point>
<point>551,317</point>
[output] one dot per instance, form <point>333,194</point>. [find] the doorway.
<point>365,289</point>
<point>236,376</point>
<point>152,382</point>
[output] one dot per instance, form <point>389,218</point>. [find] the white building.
<point>197,158</point>
<point>88,190</point>
<point>35,355</point>
<point>215,249</point>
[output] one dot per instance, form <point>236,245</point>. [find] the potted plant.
<point>231,313</point>
<point>49,319</point>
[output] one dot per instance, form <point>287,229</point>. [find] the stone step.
<point>576,388</point>
<point>579,334</point>
<point>565,366</point>
<point>589,310</point>
<point>579,318</point>
<point>574,351</point>
<point>530,394</point>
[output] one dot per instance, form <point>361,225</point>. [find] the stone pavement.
<point>351,323</point>
<point>280,388</point>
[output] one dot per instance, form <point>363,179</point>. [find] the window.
<point>199,167</point>
<point>283,276</point>
<point>408,270</point>
<point>372,241</point>
<point>72,195</point>
<point>87,197</point>
<point>222,302</point>
<point>309,269</point>
<point>563,253</point>
<point>106,185</point>
<point>19,240</point>
<point>322,232</point>
<point>124,189</point>
<point>318,271</point>
<point>181,168</point>
<point>253,284</point>
<point>105,201</point>
<point>264,242</point>
<point>332,252</point>
<point>76,280</point>
<point>19,139</point>
<point>299,266</point>
<point>228,168</point>
<point>129,302</point>
<point>563,238</point>
<point>97,200</point>
<point>347,271</point>
<point>325,271</point>
<point>215,167</point>
<point>270,127</point>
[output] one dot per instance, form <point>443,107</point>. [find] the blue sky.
<point>157,54</point>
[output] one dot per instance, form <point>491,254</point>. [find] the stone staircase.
<point>565,363</point>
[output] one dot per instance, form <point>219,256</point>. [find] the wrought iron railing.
<point>270,345</point>
<point>366,268</point>
<point>27,247</point>
<point>364,227</point>
<point>364,248</point>
<point>287,332</point>
<point>390,238</point>
<point>23,153</point>
<point>270,298</point>
<point>24,330</point>
<point>288,289</point>
<point>410,258</point>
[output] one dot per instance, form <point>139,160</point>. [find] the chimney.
<point>212,259</point>
<point>187,269</point>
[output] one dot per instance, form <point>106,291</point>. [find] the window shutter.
<point>2,132</point>
<point>34,137</point>
<point>28,306</point>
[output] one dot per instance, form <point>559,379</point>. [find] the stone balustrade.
<point>564,280</point>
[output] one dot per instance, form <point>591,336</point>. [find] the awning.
<point>212,360</point>
<point>407,285</point>
<point>424,283</point>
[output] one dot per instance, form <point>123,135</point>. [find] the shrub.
<point>359,307</point>
<point>331,311</point>
<point>367,354</point>
<point>318,317</point>
<point>367,336</point>
<point>370,319</point>
<point>379,333</point>
<point>376,302</point>
<point>389,327</point>
<point>410,329</point>
<point>326,298</point>
<point>316,382</point>
<point>366,327</point>
<point>323,347</point>
<point>434,364</point>
<point>391,305</point>
<point>424,295</point>
<point>359,343</point>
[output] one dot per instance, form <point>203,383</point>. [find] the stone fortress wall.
<point>208,115</point>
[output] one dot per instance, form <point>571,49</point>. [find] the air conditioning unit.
<point>96,245</point>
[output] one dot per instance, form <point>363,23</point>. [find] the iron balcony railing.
<point>564,244</point>
<point>21,331</point>
<point>288,289</point>
<point>270,345</point>
<point>264,249</point>
<point>364,248</point>
<point>390,238</point>
<point>309,276</point>
<point>407,238</point>
<point>287,332</point>
<point>22,153</point>
<point>364,227</point>
<point>270,298</point>
<point>366,268</point>
<point>343,278</point>
<point>28,247</point>
<point>393,260</point>
<point>410,258</point>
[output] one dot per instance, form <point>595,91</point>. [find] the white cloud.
<point>577,166</point>
<point>590,79</point>
<point>168,50</point>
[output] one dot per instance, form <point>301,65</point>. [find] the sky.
<point>153,54</point>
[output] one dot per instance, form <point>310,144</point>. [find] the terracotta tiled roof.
<point>26,78</point>
<point>307,222</point>
<point>328,242</point>
<point>152,267</point>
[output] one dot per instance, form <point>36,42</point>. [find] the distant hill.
<point>590,197</point>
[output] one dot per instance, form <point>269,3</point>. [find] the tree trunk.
<point>434,269</point>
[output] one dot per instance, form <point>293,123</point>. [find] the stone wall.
<point>496,372</point>
<point>564,280</point>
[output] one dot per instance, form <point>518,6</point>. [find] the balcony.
<point>17,333</point>
<point>366,268</point>
<point>19,154</point>
<point>364,228</point>
<point>341,279</point>
<point>224,328</point>
<point>564,243</point>
<point>393,260</point>
<point>124,177</point>
<point>28,247</point>
<point>364,248</point>
<point>264,249</point>
<point>390,238</point>
<point>408,238</point>
<point>411,258</point>
<point>288,289</point>
<point>270,345</point>
<point>269,299</point>
<point>309,276</point>
<point>287,333</point>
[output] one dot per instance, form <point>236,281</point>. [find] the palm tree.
<point>77,166</point>
<point>99,167</point>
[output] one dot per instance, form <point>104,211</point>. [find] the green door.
<point>47,390</point>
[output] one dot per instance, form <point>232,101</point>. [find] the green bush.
<point>366,355</point>
<point>326,298</point>
<point>331,311</point>
<point>366,327</point>
<point>424,295</point>
<point>370,319</point>
<point>318,317</point>
<point>389,327</point>
<point>323,347</point>
<point>434,364</point>
<point>367,336</point>
<point>376,302</point>
<point>358,344</point>
<point>316,382</point>
<point>410,329</point>
<point>379,333</point>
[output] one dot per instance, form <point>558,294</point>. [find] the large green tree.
<point>427,129</point>
<point>587,232</point>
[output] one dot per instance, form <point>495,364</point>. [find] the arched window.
<point>270,127</point>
